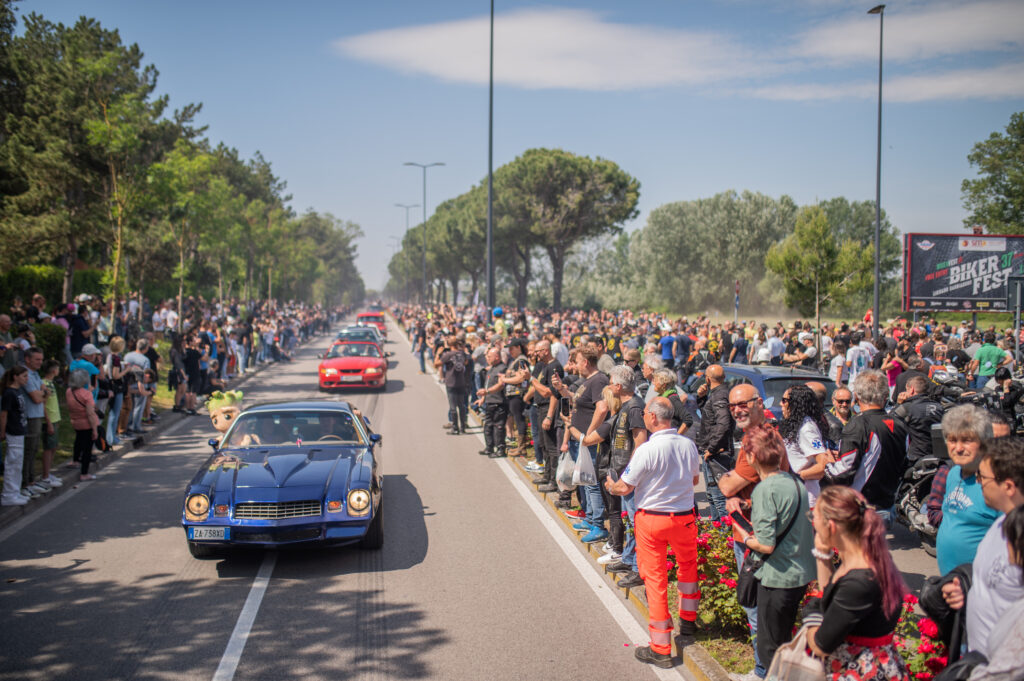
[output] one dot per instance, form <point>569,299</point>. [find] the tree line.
<point>559,241</point>
<point>96,169</point>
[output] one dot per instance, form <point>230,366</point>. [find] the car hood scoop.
<point>292,469</point>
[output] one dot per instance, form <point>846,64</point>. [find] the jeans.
<point>243,358</point>
<point>980,381</point>
<point>629,545</point>
<point>423,359</point>
<point>112,416</point>
<point>759,669</point>
<point>138,406</point>
<point>457,401</point>
<point>595,500</point>
<point>716,500</point>
<point>538,450</point>
<point>13,462</point>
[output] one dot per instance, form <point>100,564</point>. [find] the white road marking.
<point>236,644</point>
<point>615,607</point>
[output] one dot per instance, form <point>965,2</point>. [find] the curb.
<point>168,418</point>
<point>696,659</point>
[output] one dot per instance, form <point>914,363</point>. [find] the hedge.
<point>27,280</point>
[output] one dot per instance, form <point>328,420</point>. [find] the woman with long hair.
<point>863,597</point>
<point>803,423</point>
<point>115,371</point>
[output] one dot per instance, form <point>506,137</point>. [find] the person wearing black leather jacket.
<point>714,441</point>
<point>919,412</point>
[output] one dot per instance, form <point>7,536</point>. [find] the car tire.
<point>202,551</point>
<point>374,537</point>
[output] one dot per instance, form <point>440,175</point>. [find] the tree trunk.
<point>181,278</point>
<point>557,257</point>
<point>455,289</point>
<point>70,257</point>
<point>817,316</point>
<point>270,285</point>
<point>220,281</point>
<point>119,235</point>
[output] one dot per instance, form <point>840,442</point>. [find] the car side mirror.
<point>375,438</point>
<point>323,355</point>
<point>214,442</point>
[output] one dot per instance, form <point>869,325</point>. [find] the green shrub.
<point>51,339</point>
<point>48,280</point>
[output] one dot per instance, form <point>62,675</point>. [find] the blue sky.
<point>692,98</point>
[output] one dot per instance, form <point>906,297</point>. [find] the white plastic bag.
<point>792,663</point>
<point>584,473</point>
<point>564,473</point>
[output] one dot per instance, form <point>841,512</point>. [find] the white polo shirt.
<point>662,471</point>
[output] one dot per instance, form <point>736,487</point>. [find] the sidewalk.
<point>168,419</point>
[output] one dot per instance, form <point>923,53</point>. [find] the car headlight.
<point>329,372</point>
<point>373,370</point>
<point>358,502</point>
<point>197,507</point>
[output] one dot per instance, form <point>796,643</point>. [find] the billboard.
<point>953,272</point>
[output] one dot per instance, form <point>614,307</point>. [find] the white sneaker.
<point>39,487</point>
<point>53,481</point>
<point>606,547</point>
<point>609,558</point>
<point>29,493</point>
<point>13,501</point>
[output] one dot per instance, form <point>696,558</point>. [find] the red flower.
<point>715,523</point>
<point>928,628</point>
<point>730,582</point>
<point>935,664</point>
<point>701,560</point>
<point>701,577</point>
<point>727,520</point>
<point>924,676</point>
<point>910,599</point>
<point>669,565</point>
<point>723,570</point>
<point>924,647</point>
<point>730,541</point>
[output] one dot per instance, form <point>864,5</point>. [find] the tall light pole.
<point>424,166</point>
<point>490,179</point>
<point>407,206</point>
<point>880,11</point>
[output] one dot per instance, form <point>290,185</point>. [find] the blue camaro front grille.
<point>277,510</point>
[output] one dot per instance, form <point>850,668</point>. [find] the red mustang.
<point>374,318</point>
<point>354,364</point>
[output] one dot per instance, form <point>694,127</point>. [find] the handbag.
<point>792,663</point>
<point>746,583</point>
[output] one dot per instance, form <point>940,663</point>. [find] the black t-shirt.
<point>77,326</point>
<point>587,397</point>
<point>680,414</point>
<point>154,358</point>
<point>852,606</point>
<point>544,375</point>
<point>493,378</point>
<point>13,402</point>
<point>191,362</point>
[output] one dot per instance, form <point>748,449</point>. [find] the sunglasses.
<point>842,401</point>
<point>784,400</point>
<point>744,403</point>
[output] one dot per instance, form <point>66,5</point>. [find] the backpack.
<point>701,360</point>
<point>459,362</point>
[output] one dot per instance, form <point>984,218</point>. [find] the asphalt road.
<point>476,580</point>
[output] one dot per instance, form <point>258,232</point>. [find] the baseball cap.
<point>805,336</point>
<point>90,349</point>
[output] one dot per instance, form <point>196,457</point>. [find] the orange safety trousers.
<point>654,534</point>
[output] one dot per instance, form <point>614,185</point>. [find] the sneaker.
<point>606,547</point>
<point>54,481</point>
<point>595,535</point>
<point>41,487</point>
<point>86,478</point>
<point>630,580</point>
<point>609,558</point>
<point>547,487</point>
<point>563,504</point>
<point>13,501</point>
<point>534,467</point>
<point>582,526</point>
<point>575,513</point>
<point>620,568</point>
<point>30,493</point>
<point>645,654</point>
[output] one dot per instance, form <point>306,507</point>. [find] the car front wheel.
<point>374,537</point>
<point>202,550</point>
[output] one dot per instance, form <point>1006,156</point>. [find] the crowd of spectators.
<point>808,496</point>
<point>111,368</point>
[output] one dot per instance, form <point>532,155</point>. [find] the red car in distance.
<point>353,365</point>
<point>374,318</point>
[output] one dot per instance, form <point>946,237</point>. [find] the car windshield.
<point>358,334</point>
<point>775,388</point>
<point>276,429</point>
<point>353,350</point>
<point>375,318</point>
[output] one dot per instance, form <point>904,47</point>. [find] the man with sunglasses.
<point>747,410</point>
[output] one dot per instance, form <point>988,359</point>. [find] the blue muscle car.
<point>288,474</point>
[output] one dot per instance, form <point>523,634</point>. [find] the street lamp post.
<point>407,206</point>
<point>424,166</point>
<point>490,179</point>
<point>880,11</point>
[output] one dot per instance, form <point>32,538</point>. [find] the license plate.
<point>208,533</point>
<point>351,379</point>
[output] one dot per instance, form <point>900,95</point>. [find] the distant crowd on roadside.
<point>110,370</point>
<point>808,495</point>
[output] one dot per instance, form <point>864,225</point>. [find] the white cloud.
<point>921,32</point>
<point>557,48</point>
<point>552,48</point>
<point>1006,81</point>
